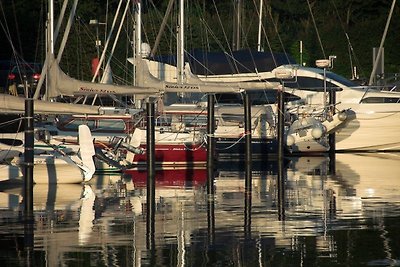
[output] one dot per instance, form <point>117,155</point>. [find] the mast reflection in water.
<point>301,215</point>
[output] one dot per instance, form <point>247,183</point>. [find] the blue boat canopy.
<point>240,61</point>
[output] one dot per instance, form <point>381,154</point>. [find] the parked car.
<point>5,68</point>
<point>25,77</point>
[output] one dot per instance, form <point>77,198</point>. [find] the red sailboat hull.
<point>174,156</point>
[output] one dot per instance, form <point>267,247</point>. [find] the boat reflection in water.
<point>363,182</point>
<point>306,214</point>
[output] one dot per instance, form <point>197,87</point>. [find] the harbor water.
<point>307,211</point>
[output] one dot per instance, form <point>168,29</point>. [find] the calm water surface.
<point>314,212</point>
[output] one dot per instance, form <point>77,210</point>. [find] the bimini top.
<point>240,61</point>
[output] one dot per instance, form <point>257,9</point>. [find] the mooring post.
<point>28,157</point>
<point>281,122</point>
<point>210,143</point>
<point>150,151</point>
<point>28,183</point>
<point>332,136</point>
<point>247,131</point>
<point>210,167</point>
<point>248,168</point>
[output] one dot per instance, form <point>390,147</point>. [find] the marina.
<point>175,144</point>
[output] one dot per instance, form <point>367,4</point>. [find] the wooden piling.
<point>28,158</point>
<point>248,169</point>
<point>28,180</point>
<point>247,130</point>
<point>210,143</point>
<point>150,151</point>
<point>281,122</point>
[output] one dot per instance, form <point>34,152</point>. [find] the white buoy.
<point>317,132</point>
<point>290,140</point>
<point>342,116</point>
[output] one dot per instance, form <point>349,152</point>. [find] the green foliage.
<point>325,27</point>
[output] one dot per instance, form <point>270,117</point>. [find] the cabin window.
<point>308,83</point>
<point>340,79</point>
<point>263,97</point>
<point>111,125</point>
<point>163,120</point>
<point>372,100</point>
<point>195,121</point>
<point>228,98</point>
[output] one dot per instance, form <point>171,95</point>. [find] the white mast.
<point>180,44</point>
<point>137,44</point>
<point>260,26</point>
<point>103,54</point>
<point>51,15</point>
<point>138,29</point>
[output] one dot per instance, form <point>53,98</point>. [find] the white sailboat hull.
<point>47,170</point>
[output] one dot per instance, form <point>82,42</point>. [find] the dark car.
<point>25,77</point>
<point>5,68</point>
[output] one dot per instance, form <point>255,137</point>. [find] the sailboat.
<point>371,111</point>
<point>298,139</point>
<point>372,124</point>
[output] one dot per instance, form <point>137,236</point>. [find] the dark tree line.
<point>348,29</point>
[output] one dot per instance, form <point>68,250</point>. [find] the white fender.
<point>86,152</point>
<point>135,142</point>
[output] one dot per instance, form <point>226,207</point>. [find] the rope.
<point>197,148</point>
<point>234,144</point>
<point>11,121</point>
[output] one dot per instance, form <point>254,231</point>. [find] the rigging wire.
<point>17,29</point>
<point>316,29</point>
<point>351,48</point>
<point>279,38</point>
<point>40,30</point>
<point>6,29</point>
<point>223,30</point>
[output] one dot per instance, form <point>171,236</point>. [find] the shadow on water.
<point>297,213</point>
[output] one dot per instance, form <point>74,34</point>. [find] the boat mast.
<point>51,36</point>
<point>180,43</point>
<point>137,33</point>
<point>162,27</point>
<point>259,26</point>
<point>237,25</point>
<point>138,29</point>
<point>103,54</point>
